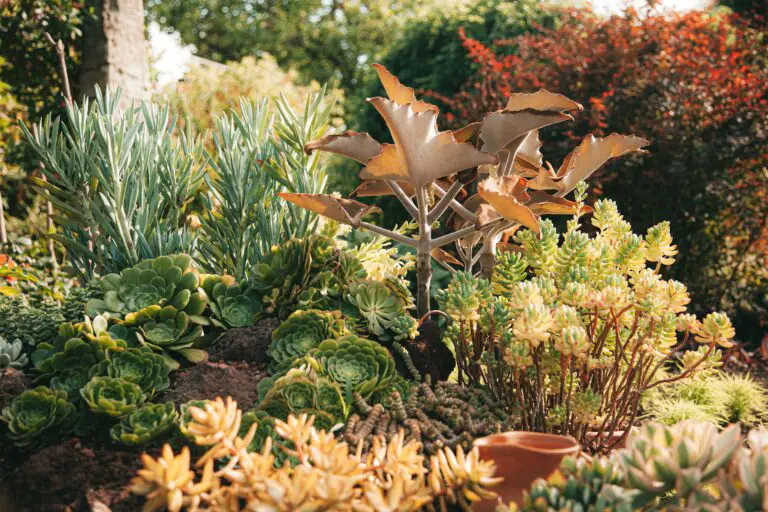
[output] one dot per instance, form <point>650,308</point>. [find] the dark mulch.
<point>247,344</point>
<point>12,383</point>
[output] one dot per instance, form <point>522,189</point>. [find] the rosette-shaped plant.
<point>38,414</point>
<point>232,304</point>
<point>681,459</point>
<point>168,331</point>
<point>376,303</point>
<point>11,355</point>
<point>747,489</point>
<point>301,332</point>
<point>356,364</point>
<point>138,365</point>
<point>112,396</point>
<point>299,390</point>
<point>165,280</point>
<point>148,423</point>
<point>282,275</point>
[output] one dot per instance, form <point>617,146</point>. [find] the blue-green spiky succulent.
<point>148,423</point>
<point>161,281</point>
<point>38,414</point>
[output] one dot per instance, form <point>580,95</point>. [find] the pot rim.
<point>514,437</point>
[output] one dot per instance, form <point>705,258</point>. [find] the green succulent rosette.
<point>168,331</point>
<point>298,391</point>
<point>282,274</point>
<point>12,354</point>
<point>356,364</point>
<point>138,365</point>
<point>111,396</point>
<point>301,332</point>
<point>146,424</point>
<point>37,415</point>
<point>185,418</point>
<point>161,281</point>
<point>377,304</point>
<point>231,304</point>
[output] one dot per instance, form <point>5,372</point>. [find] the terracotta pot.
<point>521,458</point>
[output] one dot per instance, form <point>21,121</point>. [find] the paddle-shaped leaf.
<point>346,211</point>
<point>507,195</point>
<point>420,153</point>
<point>355,145</point>
<point>505,130</point>
<point>400,93</point>
<point>541,100</point>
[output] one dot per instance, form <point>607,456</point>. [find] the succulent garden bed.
<point>270,358</point>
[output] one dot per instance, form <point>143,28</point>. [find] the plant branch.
<point>403,197</point>
<point>397,237</point>
<point>452,237</point>
<point>455,205</point>
<point>445,201</point>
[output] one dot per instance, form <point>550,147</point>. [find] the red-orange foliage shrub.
<point>695,84</point>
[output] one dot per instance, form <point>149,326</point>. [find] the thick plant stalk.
<point>423,254</point>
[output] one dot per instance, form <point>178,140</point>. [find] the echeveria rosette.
<point>112,397</point>
<point>283,273</point>
<point>146,424</point>
<point>37,415</point>
<point>376,303</point>
<point>356,364</point>
<point>165,280</point>
<point>12,354</point>
<point>301,332</point>
<point>138,365</point>
<point>168,331</point>
<point>232,304</point>
<point>299,391</point>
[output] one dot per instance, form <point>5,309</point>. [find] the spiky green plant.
<point>670,411</point>
<point>38,414</point>
<point>168,331</point>
<point>120,180</point>
<point>356,364</point>
<point>138,365</point>
<point>112,396</point>
<point>301,332</point>
<point>11,354</point>
<point>148,423</point>
<point>742,398</point>
<point>232,304</point>
<point>166,280</point>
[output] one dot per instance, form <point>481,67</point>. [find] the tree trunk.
<point>114,50</point>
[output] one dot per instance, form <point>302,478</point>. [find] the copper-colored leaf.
<point>445,257</point>
<point>468,132</point>
<point>528,153</point>
<point>377,188</point>
<point>542,203</point>
<point>355,145</point>
<point>420,154</point>
<point>541,100</point>
<point>585,159</point>
<point>346,211</point>
<point>400,93</point>
<point>507,195</point>
<point>508,130</point>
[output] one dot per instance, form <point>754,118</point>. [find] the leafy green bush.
<point>146,424</point>
<point>38,414</point>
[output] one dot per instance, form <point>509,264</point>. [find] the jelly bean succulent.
<point>578,327</point>
<point>327,474</point>
<point>231,304</point>
<point>12,355</point>
<point>37,415</point>
<point>112,396</point>
<point>161,281</point>
<point>356,364</point>
<point>138,365</point>
<point>302,331</point>
<point>146,424</point>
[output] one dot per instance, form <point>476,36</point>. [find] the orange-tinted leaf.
<point>468,132</point>
<point>346,211</point>
<point>445,257</point>
<point>506,195</point>
<point>542,203</point>
<point>541,100</point>
<point>355,145</point>
<point>420,153</point>
<point>507,130</point>
<point>400,93</point>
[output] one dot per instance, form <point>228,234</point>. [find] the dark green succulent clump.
<point>449,415</point>
<point>232,304</point>
<point>73,305</point>
<point>169,331</point>
<point>31,325</point>
<point>302,332</point>
<point>166,280</point>
<point>12,354</point>
<point>265,429</point>
<point>580,485</point>
<point>111,396</point>
<point>38,414</point>
<point>299,392</point>
<point>148,423</point>
<point>138,365</point>
<point>356,364</point>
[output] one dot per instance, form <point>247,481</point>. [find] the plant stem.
<point>423,253</point>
